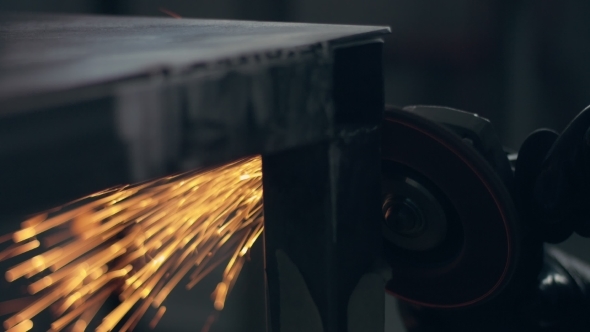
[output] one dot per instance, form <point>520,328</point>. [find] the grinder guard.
<point>478,256</point>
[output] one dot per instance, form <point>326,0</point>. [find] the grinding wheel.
<point>450,227</point>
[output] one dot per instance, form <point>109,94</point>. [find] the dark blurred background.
<point>522,64</point>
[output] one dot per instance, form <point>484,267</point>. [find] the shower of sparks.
<point>137,242</point>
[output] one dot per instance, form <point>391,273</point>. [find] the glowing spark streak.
<point>50,223</point>
<point>36,220</point>
<point>22,326</point>
<point>200,273</point>
<point>170,13</point>
<point>44,302</point>
<point>54,239</point>
<point>65,320</point>
<point>93,286</point>
<point>171,284</point>
<point>220,294</point>
<point>89,314</point>
<point>157,317</point>
<point>134,319</point>
<point>16,250</point>
<point>11,306</point>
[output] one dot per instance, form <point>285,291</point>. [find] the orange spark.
<point>137,242</point>
<point>169,12</point>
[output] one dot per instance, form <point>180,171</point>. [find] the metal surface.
<point>322,204</point>
<point>53,53</point>
<point>124,99</point>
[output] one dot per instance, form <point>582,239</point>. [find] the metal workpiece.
<point>44,54</point>
<point>89,102</point>
<point>224,115</point>
<point>124,99</point>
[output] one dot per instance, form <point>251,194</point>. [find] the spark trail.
<point>137,242</point>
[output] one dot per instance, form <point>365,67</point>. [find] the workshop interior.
<point>294,165</point>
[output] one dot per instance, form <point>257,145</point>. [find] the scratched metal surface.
<point>48,53</point>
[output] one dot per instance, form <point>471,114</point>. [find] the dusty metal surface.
<point>48,53</point>
<point>122,99</point>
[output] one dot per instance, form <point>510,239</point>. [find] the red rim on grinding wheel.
<point>453,239</point>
